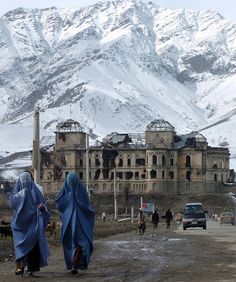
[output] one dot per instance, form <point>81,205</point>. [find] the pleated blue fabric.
<point>77,217</point>
<point>30,218</point>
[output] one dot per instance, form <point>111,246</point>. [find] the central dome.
<point>160,125</point>
<point>69,126</point>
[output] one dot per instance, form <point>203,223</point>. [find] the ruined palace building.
<point>158,160</point>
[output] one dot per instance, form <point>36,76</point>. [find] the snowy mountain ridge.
<point>116,66</point>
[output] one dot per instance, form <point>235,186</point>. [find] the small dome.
<point>198,136</point>
<point>69,125</point>
<point>160,125</point>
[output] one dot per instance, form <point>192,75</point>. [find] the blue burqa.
<point>30,218</point>
<point>77,221</point>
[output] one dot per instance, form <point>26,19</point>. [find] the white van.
<point>194,216</point>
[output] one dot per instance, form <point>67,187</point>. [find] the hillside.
<point>116,66</point>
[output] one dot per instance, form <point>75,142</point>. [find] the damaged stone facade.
<point>158,161</point>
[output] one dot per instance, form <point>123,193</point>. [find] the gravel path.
<point>159,255</point>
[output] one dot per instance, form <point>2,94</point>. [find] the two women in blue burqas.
<point>29,222</point>
<point>77,223</point>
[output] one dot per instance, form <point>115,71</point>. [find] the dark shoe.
<point>19,271</point>
<point>74,271</point>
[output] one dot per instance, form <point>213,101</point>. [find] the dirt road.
<point>158,255</point>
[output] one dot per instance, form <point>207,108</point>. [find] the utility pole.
<point>87,164</point>
<point>132,214</point>
<point>36,148</point>
<point>115,196</point>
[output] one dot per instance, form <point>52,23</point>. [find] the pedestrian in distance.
<point>103,216</point>
<point>168,216</point>
<point>52,229</point>
<point>77,217</point>
<point>155,219</point>
<point>141,222</point>
<point>30,218</point>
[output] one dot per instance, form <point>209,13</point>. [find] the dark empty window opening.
<point>81,175</point>
<point>112,163</point>
<point>106,163</point>
<point>97,173</point>
<point>188,175</point>
<point>143,175</point>
<point>112,175</point>
<point>215,177</point>
<point>153,173</point>
<point>171,174</point>
<point>105,173</point>
<point>188,161</point>
<point>81,162</point>
<point>140,162</point>
<point>90,162</point>
<point>215,166</point>
<point>97,162</point>
<point>163,174</point>
<point>129,174</point>
<point>163,160</point>
<point>128,162</point>
<point>136,175</point>
<point>119,174</point>
<point>154,160</point>
<point>171,162</point>
<point>120,163</point>
<point>62,136</point>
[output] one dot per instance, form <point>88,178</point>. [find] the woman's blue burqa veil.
<point>29,221</point>
<point>77,221</point>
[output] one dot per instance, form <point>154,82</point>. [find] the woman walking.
<point>77,223</point>
<point>29,222</point>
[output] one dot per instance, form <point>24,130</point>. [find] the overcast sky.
<point>226,7</point>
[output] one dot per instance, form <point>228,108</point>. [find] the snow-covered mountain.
<point>116,66</point>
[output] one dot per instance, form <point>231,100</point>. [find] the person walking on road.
<point>168,216</point>
<point>141,222</point>
<point>29,223</point>
<point>77,217</point>
<point>103,216</point>
<point>155,219</point>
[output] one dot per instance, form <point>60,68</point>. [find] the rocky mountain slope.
<point>116,66</point>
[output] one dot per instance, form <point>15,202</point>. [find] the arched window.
<point>171,174</point>
<point>163,160</point>
<point>215,177</point>
<point>188,161</point>
<point>129,175</point>
<point>120,162</point>
<point>97,162</point>
<point>215,166</point>
<point>154,159</point>
<point>188,175</point>
<point>153,174</point>
<point>163,174</point>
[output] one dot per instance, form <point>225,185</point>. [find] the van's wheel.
<point>184,228</point>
